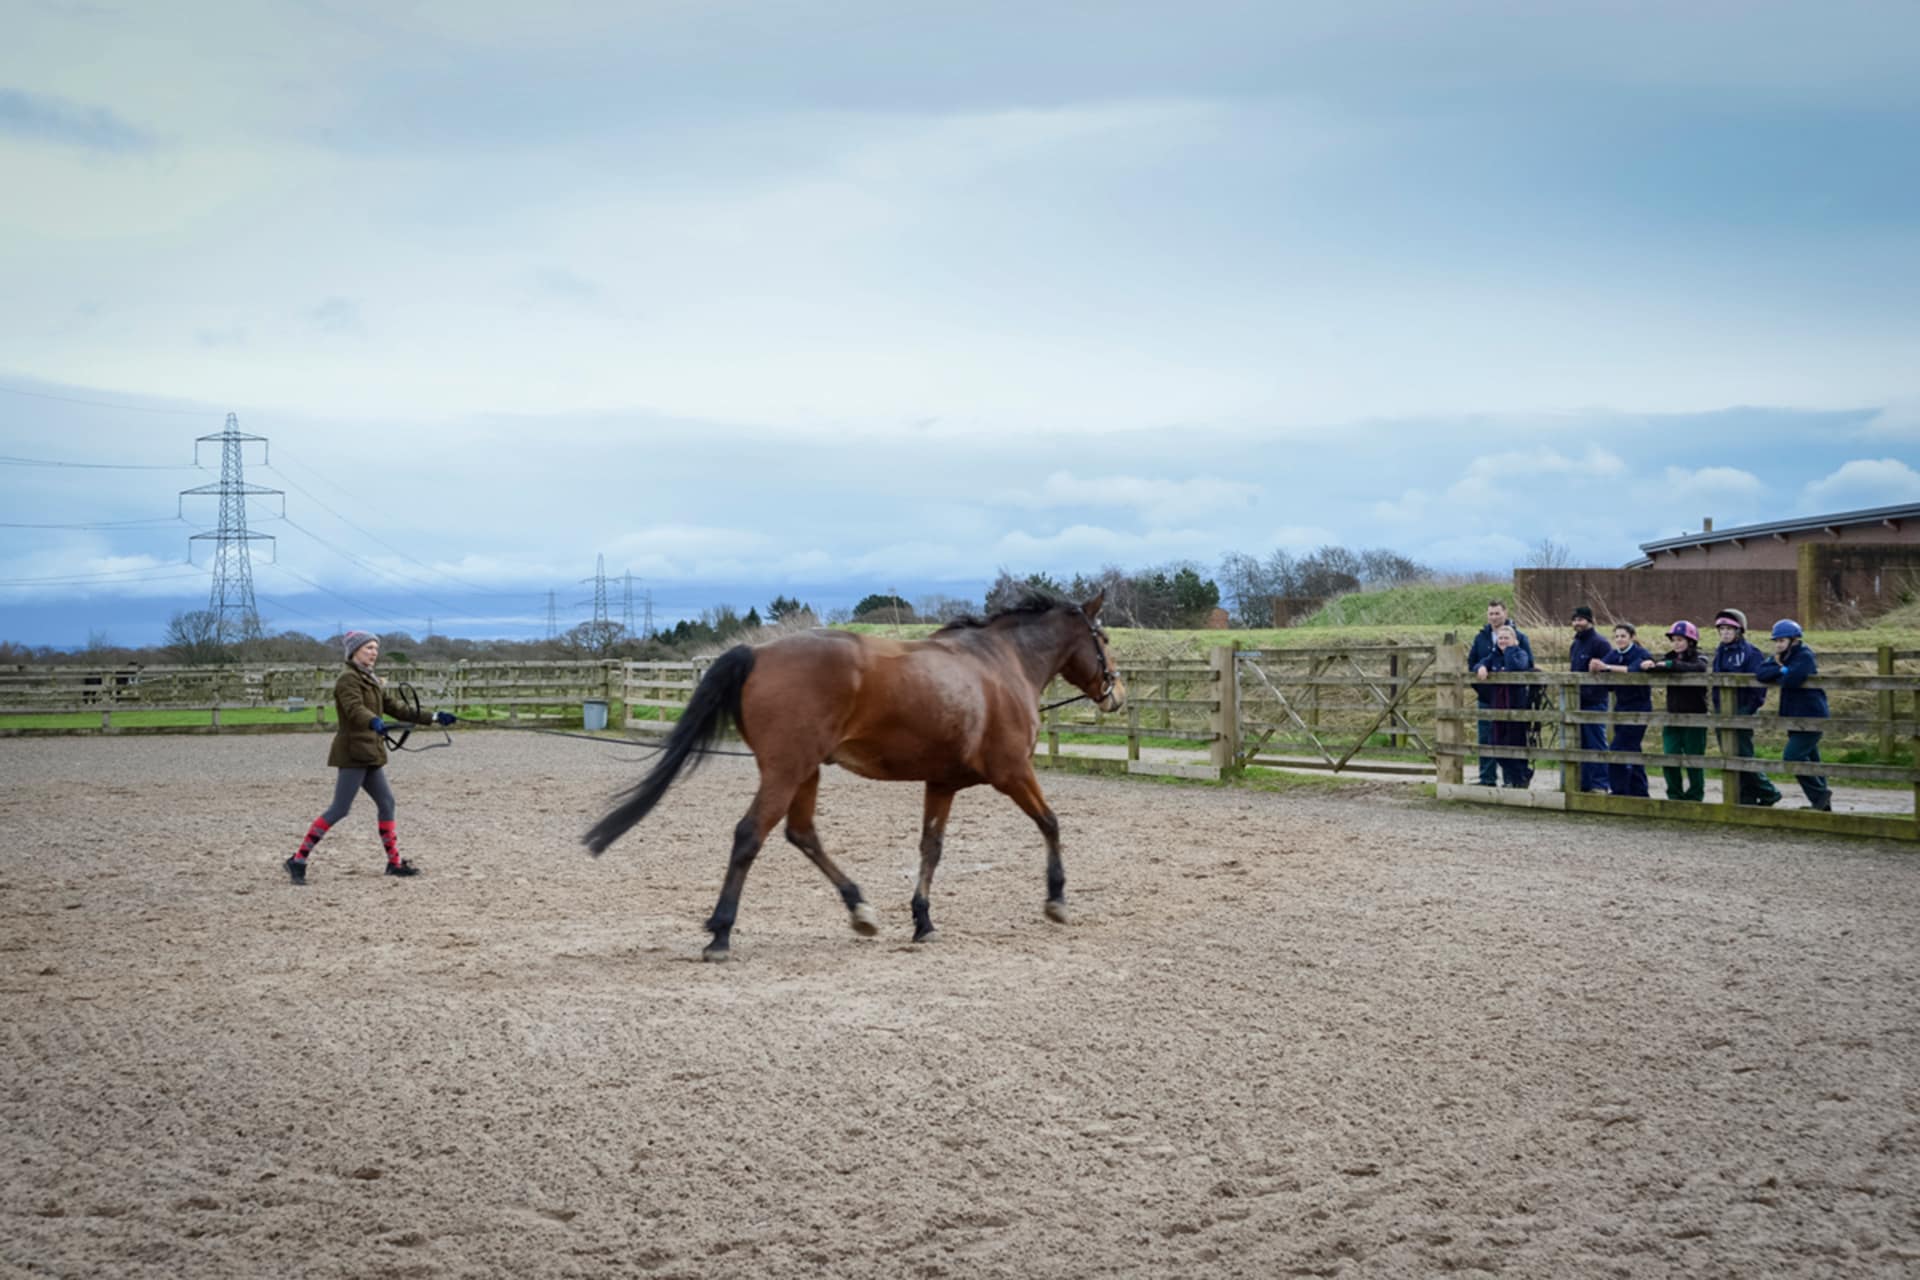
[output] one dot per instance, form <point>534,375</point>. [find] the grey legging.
<point>351,781</point>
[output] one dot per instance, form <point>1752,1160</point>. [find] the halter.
<point>1107,678</point>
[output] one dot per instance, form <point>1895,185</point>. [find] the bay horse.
<point>954,710</point>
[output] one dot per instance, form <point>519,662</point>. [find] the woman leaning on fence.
<point>363,706</point>
<point>1684,658</point>
<point>1508,656</point>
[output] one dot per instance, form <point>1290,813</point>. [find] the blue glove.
<point>444,717</point>
<point>378,725</point>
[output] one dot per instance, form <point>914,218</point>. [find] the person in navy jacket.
<point>1738,654</point>
<point>1790,668</point>
<point>1508,656</point>
<point>1623,778</point>
<point>1483,648</point>
<point>1589,652</point>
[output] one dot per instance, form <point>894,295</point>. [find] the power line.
<point>366,610</point>
<point>102,404</point>
<point>321,503</point>
<point>100,524</point>
<point>124,578</point>
<point>369,565</point>
<point>10,460</point>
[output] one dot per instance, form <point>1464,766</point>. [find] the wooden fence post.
<point>1885,655</point>
<point>1396,741</point>
<point>1449,686</point>
<point>1133,731</point>
<point>1570,740</point>
<point>1224,751</point>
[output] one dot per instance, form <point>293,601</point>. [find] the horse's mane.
<point>1031,601</point>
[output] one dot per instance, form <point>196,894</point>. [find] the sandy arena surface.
<point>1355,1034</point>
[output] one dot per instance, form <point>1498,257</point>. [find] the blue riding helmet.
<point>1786,629</point>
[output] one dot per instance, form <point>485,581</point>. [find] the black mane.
<point>1031,601</point>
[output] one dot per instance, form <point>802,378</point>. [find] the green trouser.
<point>1685,742</point>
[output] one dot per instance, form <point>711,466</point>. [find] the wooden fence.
<point>1873,713</point>
<point>1402,709</point>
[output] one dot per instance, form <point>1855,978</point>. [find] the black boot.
<point>296,870</point>
<point>402,868</point>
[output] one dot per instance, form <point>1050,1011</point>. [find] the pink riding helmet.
<point>1684,628</point>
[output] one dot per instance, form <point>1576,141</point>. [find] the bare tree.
<point>1548,554</point>
<point>194,636</point>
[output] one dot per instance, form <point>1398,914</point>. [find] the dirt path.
<point>1289,1034</point>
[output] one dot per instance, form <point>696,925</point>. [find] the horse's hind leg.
<point>1024,790</point>
<point>768,804</point>
<point>802,835</point>
<point>933,830</point>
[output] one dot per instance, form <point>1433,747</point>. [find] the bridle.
<point>1107,677</point>
<point>410,699</point>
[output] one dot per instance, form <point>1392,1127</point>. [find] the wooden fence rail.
<point>1882,709</point>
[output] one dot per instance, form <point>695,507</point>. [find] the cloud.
<point>1483,479</point>
<point>337,316</point>
<point>1474,551</point>
<point>1302,537</point>
<point>1158,500</point>
<point>558,282</point>
<point>1898,420</point>
<point>1409,508</point>
<point>38,118</point>
<point>1712,482</point>
<point>1865,482</point>
<point>1084,546</point>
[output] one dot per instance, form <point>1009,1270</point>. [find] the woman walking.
<point>363,707</point>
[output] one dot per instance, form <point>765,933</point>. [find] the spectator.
<point>1483,648</point>
<point>1791,665</point>
<point>1738,654</point>
<point>1589,653</point>
<point>1628,778</point>
<point>1683,700</point>
<point>1508,656</point>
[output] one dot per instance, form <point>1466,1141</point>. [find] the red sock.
<point>392,842</point>
<point>319,828</point>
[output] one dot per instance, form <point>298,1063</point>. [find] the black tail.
<point>714,703</point>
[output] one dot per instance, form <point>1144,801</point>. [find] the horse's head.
<point>1090,667</point>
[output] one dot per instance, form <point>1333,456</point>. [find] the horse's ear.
<point>1092,607</point>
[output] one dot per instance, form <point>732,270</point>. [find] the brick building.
<point>1831,570</point>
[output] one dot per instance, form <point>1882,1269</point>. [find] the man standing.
<point>1738,654</point>
<point>1589,653</point>
<point>1477,655</point>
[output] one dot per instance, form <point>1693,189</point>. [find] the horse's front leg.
<point>769,803</point>
<point>933,831</point>
<point>1024,790</point>
<point>802,835</point>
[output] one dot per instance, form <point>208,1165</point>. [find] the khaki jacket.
<point>359,696</point>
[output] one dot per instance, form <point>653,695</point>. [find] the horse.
<point>952,711</point>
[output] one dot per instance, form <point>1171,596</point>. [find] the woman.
<point>1684,658</point>
<point>1792,665</point>
<point>1625,778</point>
<point>1508,656</point>
<point>363,706</point>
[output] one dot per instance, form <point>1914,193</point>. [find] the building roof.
<point>1803,524</point>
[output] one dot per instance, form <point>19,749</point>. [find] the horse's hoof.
<point>865,922</point>
<point>717,955</point>
<point>927,934</point>
<point>1057,911</point>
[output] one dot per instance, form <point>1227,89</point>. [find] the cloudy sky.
<point>828,298</point>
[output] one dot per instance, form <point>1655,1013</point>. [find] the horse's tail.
<point>714,703</point>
